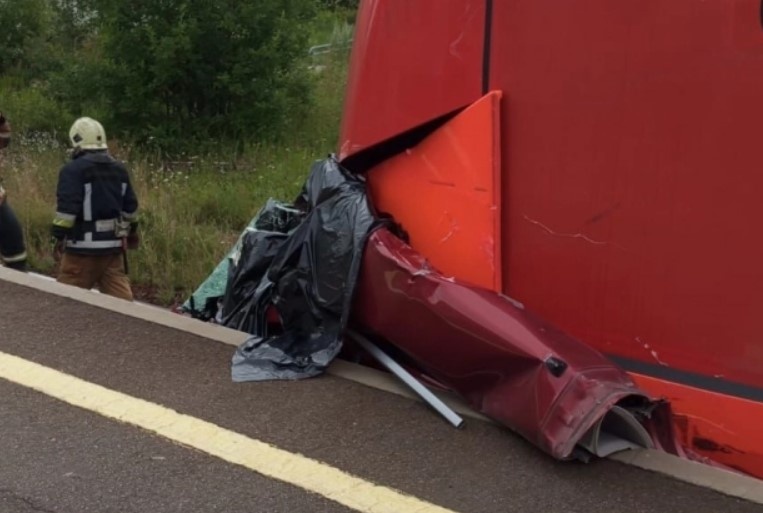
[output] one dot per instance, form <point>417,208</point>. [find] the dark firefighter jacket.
<point>94,196</point>
<point>12,250</point>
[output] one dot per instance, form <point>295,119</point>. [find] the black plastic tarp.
<point>302,260</point>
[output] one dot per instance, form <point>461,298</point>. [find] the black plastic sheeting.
<point>303,260</point>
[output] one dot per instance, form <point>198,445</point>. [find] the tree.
<point>196,71</point>
<point>76,22</point>
<point>340,4</point>
<point>21,22</point>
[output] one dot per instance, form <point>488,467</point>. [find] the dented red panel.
<point>713,425</point>
<point>486,347</point>
<point>629,180</point>
<point>411,69</point>
<point>457,170</point>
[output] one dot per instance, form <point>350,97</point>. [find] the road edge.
<point>719,480</point>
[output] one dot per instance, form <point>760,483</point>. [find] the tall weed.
<point>192,209</point>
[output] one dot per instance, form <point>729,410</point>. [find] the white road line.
<point>265,459</point>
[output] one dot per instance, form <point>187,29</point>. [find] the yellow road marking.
<point>227,445</point>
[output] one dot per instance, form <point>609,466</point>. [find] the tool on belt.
<point>122,231</point>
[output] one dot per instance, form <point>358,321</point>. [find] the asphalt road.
<point>58,458</point>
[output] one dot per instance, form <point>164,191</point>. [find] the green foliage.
<point>190,215</point>
<point>174,76</point>
<point>186,72</point>
<point>340,4</point>
<point>226,104</point>
<point>31,111</point>
<point>76,23</point>
<point>21,22</point>
<point>73,67</point>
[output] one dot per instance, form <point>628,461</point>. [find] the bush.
<point>33,113</point>
<point>193,206</point>
<point>185,73</point>
<point>21,22</point>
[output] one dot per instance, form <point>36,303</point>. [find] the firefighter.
<point>12,247</point>
<point>95,222</point>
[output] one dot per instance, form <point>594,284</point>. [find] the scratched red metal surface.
<point>630,176</point>
<point>438,62</point>
<point>486,347</point>
<point>630,192</point>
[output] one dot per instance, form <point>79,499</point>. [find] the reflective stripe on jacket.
<point>94,195</point>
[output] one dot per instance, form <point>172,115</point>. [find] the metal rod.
<point>408,379</point>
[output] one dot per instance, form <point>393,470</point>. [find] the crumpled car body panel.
<point>507,363</point>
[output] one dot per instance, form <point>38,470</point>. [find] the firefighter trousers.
<point>107,272</point>
<point>12,248</point>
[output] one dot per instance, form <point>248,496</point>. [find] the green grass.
<point>191,211</point>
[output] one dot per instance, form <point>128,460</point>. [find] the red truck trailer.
<point>599,161</point>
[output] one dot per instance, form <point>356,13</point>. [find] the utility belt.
<point>118,226</point>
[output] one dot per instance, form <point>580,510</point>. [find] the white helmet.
<point>87,134</point>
